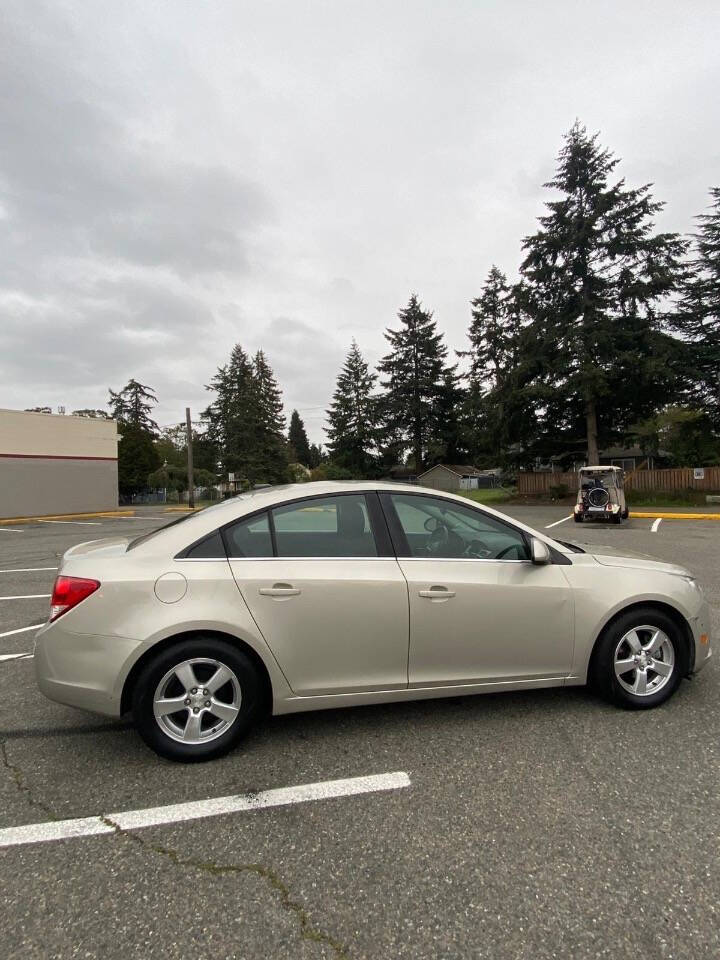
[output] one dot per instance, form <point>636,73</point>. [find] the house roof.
<point>460,471</point>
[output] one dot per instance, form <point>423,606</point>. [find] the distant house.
<point>444,476</point>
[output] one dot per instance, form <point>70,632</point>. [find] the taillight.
<point>68,592</point>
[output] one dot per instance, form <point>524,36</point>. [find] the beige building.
<point>52,464</point>
<point>452,477</point>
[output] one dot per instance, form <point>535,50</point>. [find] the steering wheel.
<point>513,546</point>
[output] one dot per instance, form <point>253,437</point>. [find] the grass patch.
<point>493,495</point>
<point>680,498</point>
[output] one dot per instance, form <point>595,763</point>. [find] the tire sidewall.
<point>201,646</point>
<point>603,671</point>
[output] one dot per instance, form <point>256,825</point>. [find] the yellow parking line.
<point>678,516</point>
<point>68,516</point>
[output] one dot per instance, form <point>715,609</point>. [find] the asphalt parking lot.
<point>537,824</point>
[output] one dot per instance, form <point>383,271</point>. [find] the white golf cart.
<point>601,495</point>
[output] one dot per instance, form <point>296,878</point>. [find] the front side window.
<point>250,537</point>
<point>325,527</point>
<point>434,527</point>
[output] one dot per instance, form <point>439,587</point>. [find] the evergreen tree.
<point>698,313</point>
<point>92,414</point>
<point>232,417</point>
<point>352,416</point>
<point>448,435</point>
<point>597,276</point>
<point>133,404</point>
<point>271,455</point>
<point>413,372</point>
<point>137,458</point>
<point>298,440</point>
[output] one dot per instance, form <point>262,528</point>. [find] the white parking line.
<point>558,522</point>
<point>11,633</point>
<point>12,530</point>
<point>29,596</point>
<point>27,569</point>
<point>16,656</point>
<point>79,523</point>
<point>195,810</point>
<point>654,527</point>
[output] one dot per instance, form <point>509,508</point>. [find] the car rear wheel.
<point>195,700</point>
<point>640,658</point>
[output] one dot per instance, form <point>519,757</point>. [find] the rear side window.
<point>325,527</point>
<point>249,538</point>
<point>211,548</point>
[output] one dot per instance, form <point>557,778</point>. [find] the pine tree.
<point>597,276</point>
<point>698,313</point>
<point>232,417</point>
<point>413,372</point>
<point>133,405</point>
<point>298,440</point>
<point>352,416</point>
<point>271,455</point>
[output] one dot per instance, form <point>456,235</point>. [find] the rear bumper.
<point>82,670</point>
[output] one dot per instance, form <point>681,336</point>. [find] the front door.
<point>480,610</point>
<point>333,611</point>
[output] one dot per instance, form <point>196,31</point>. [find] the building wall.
<point>440,478</point>
<point>52,464</point>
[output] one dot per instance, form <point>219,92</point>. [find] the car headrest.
<point>351,519</point>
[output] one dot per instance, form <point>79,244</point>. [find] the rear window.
<point>143,538</point>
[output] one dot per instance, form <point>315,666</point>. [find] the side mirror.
<point>539,551</point>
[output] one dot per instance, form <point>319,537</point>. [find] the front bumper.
<point>82,670</point>
<point>700,626</point>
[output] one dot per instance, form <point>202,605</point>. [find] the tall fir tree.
<point>597,276</point>
<point>298,440</point>
<point>413,380</point>
<point>271,450</point>
<point>245,423</point>
<point>352,416</point>
<point>133,404</point>
<point>698,315</point>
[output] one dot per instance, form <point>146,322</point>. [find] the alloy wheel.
<point>197,700</point>
<point>644,660</point>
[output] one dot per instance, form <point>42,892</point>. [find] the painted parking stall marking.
<point>15,656</point>
<point>11,633</point>
<point>27,569</point>
<point>654,528</point>
<point>29,596</point>
<point>557,522</point>
<point>199,809</point>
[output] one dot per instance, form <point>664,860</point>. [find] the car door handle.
<point>279,590</point>
<point>437,593</point>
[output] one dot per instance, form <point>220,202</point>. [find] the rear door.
<point>320,580</point>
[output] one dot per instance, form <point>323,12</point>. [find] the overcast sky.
<point>179,176</point>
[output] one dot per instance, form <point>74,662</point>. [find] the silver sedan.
<point>323,595</point>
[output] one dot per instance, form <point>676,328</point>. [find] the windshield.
<point>595,478</point>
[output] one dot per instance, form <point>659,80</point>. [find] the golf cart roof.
<point>600,469</point>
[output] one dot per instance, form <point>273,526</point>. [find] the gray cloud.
<point>177,177</point>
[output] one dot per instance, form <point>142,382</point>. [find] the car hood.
<point>611,557</point>
<point>109,547</point>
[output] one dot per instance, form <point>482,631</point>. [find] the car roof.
<point>603,469</point>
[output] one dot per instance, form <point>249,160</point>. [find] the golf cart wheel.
<point>578,517</point>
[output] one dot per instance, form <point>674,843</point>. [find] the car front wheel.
<point>640,659</point>
<point>195,700</point>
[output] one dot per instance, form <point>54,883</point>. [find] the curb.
<point>68,516</point>
<point>676,516</point>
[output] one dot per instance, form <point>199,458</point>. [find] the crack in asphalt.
<point>284,897</point>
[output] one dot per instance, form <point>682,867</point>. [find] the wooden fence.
<point>674,480</point>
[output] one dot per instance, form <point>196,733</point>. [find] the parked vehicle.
<point>601,495</point>
<point>322,595</point>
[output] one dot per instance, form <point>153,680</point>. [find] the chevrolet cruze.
<point>330,594</point>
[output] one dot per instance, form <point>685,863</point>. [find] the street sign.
<point>699,473</point>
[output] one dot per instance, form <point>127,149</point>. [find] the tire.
<point>614,646</point>
<point>616,518</point>
<point>626,513</point>
<point>194,732</point>
<point>578,517</point>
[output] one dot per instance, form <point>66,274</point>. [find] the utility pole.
<point>191,488</point>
